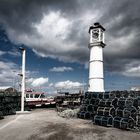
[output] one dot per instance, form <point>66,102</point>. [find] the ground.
<point>45,124</point>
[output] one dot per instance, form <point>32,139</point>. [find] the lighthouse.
<point>96,45</point>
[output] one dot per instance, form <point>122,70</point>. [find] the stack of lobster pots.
<point>68,101</point>
<point>118,109</point>
<point>9,103</point>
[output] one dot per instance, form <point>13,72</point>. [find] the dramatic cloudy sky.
<point>55,36</point>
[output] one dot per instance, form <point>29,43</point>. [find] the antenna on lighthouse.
<point>96,45</point>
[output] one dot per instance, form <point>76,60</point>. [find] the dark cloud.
<point>120,18</point>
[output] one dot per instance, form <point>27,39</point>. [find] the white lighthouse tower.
<point>96,45</point>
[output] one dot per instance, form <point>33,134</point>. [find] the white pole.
<point>23,80</point>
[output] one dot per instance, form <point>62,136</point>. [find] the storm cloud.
<point>59,29</point>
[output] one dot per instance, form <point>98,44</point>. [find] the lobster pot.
<point>117,93</point>
<point>94,95</point>
<point>136,102</point>
<point>126,112</point>
<point>1,115</point>
<point>103,120</point>
<point>132,94</point>
<point>138,121</point>
<point>137,93</point>
<point>81,115</point>
<point>8,110</point>
<point>83,108</point>
<point>138,118</point>
<point>111,95</point>
<point>108,102</point>
<point>98,120</point>
<point>124,94</point>
<point>85,115</point>
<point>86,101</point>
<point>123,123</point>
<point>125,102</point>
<point>82,102</point>
<point>1,98</point>
<point>107,121</point>
<point>91,115</point>
<point>91,95</point>
<point>1,106</point>
<point>111,102</point>
<point>8,99</point>
<point>109,111</point>
<point>106,111</point>
<point>106,95</point>
<point>95,108</point>
<point>94,102</point>
<point>102,102</point>
<point>87,95</point>
<point>99,95</point>
<point>90,108</point>
<point>100,111</point>
<point>1,111</point>
<point>114,101</point>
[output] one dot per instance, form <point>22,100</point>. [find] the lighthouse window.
<point>95,34</point>
<point>101,36</point>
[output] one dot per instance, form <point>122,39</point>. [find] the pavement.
<point>45,124</point>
